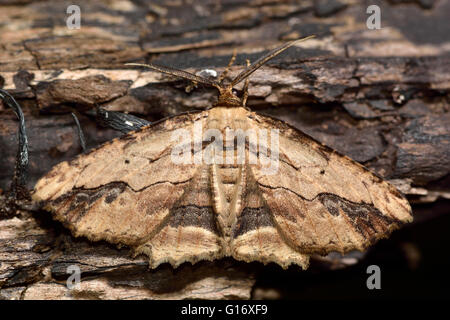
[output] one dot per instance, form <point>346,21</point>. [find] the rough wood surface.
<point>378,96</point>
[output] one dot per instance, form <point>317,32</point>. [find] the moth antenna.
<point>178,73</point>
<point>225,72</point>
<point>258,63</point>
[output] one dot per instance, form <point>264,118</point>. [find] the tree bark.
<point>378,96</point>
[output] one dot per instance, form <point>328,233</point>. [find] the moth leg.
<point>245,96</point>
<point>116,120</point>
<point>80,132</point>
<point>18,188</point>
<point>227,69</point>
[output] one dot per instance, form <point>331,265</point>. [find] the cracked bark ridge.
<point>84,92</point>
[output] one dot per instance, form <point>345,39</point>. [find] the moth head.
<point>226,95</point>
<point>228,98</point>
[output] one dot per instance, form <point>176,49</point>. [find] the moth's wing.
<point>129,190</point>
<point>322,201</point>
<point>255,236</point>
<point>190,232</point>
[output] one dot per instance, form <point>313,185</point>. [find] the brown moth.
<point>133,191</point>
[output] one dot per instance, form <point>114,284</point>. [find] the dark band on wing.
<point>81,200</point>
<point>255,212</point>
<point>191,215</point>
<point>365,218</point>
<point>252,219</point>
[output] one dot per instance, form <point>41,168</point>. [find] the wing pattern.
<point>322,201</point>
<point>129,192</point>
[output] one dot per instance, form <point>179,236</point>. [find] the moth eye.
<point>127,161</point>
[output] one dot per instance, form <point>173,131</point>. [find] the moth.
<point>224,182</point>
